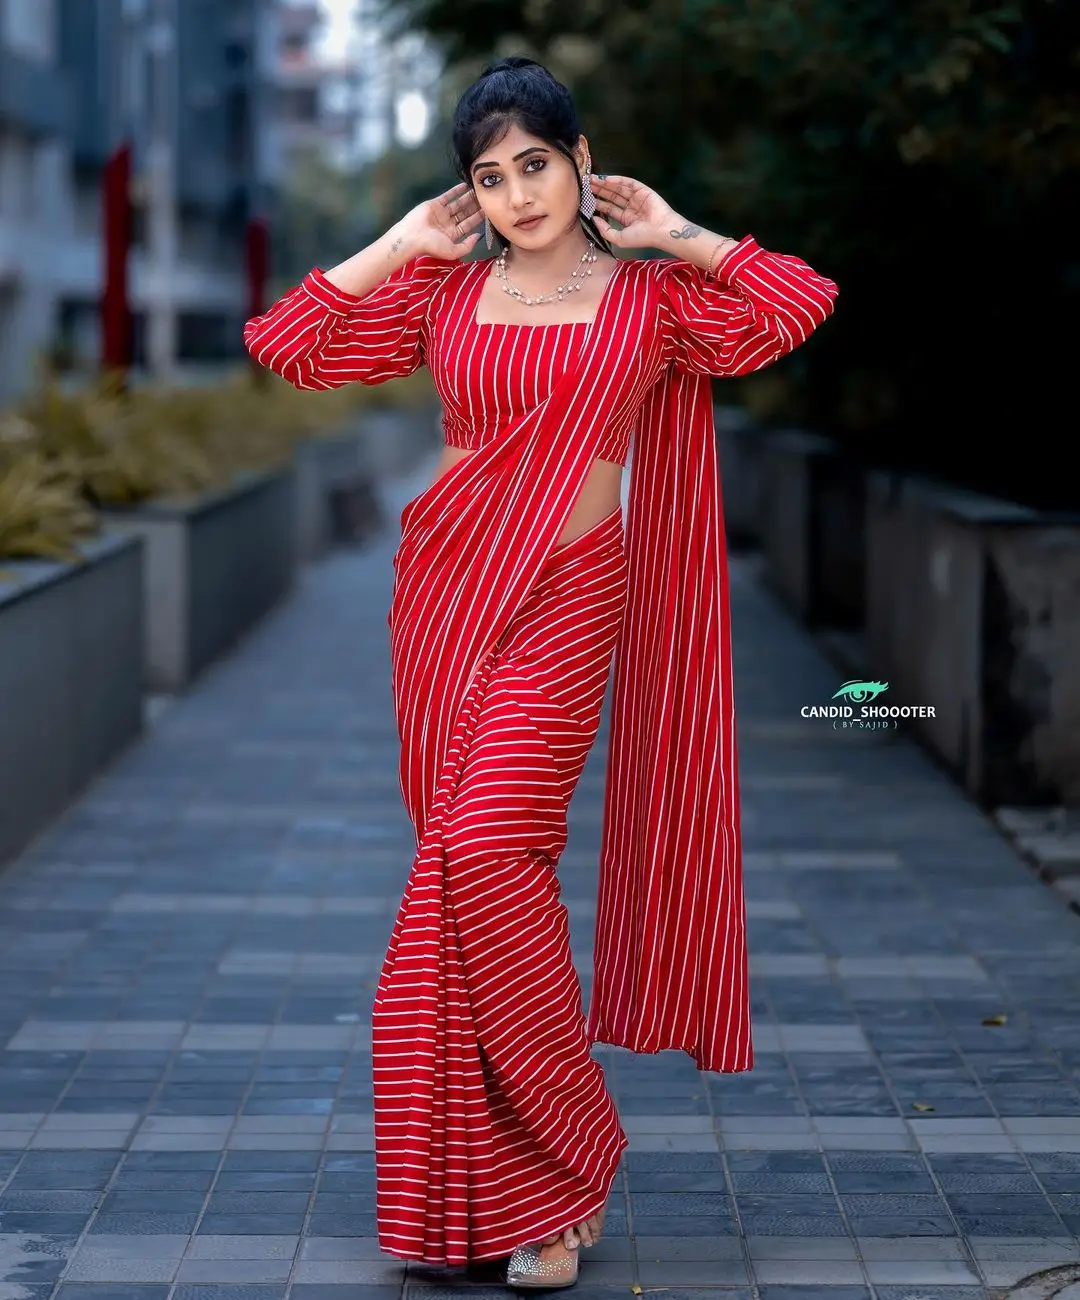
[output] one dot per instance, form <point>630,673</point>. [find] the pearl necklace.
<point>576,281</point>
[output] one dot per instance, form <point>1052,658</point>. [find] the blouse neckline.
<point>481,280</point>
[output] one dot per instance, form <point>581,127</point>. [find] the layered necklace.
<point>576,281</point>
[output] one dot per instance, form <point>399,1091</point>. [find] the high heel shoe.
<point>526,1269</point>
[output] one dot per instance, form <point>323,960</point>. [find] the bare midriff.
<point>600,497</point>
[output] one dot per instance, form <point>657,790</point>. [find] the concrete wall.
<point>71,646</point>
<point>973,606</point>
<point>812,519</point>
<point>214,566</point>
<point>740,449</point>
<point>394,440</point>
<point>323,465</point>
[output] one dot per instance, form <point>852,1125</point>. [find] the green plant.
<point>120,448</point>
<point>42,514</point>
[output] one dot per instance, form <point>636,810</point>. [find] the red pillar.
<point>116,236</point>
<point>257,262</point>
<point>257,250</point>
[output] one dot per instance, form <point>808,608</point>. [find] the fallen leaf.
<point>921,1105</point>
<point>996,1020</point>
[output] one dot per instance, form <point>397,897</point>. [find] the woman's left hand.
<point>647,220</point>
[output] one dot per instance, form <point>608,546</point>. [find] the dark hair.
<point>517,91</point>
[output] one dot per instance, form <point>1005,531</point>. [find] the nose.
<point>519,196</point>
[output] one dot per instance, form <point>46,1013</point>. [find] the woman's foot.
<point>549,1265</point>
<point>590,1231</point>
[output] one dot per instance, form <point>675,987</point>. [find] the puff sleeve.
<point>757,307</point>
<point>319,336</point>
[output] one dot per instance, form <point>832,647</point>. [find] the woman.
<point>515,590</point>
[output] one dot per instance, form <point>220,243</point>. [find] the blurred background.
<point>169,167</point>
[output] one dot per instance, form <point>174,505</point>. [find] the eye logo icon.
<point>857,691</point>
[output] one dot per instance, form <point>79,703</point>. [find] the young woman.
<point>516,588</point>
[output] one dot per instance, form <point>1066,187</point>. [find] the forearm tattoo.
<point>395,245</point>
<point>687,232</point>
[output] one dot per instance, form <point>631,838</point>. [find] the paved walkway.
<point>187,971</point>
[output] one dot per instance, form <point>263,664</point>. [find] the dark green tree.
<point>924,154</point>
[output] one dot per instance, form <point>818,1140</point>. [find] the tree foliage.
<point>925,155</point>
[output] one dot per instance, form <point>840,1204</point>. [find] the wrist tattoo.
<point>395,245</point>
<point>688,232</point>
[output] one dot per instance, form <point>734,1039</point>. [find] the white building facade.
<point>193,79</point>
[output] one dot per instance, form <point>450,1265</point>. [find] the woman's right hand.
<point>446,226</point>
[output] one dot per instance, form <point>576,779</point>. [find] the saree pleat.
<point>494,1120</point>
<point>493,1126</point>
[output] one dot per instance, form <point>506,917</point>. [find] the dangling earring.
<point>588,198</point>
<point>489,233</point>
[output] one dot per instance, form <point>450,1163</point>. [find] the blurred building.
<point>320,93</point>
<point>191,85</point>
<point>346,87</point>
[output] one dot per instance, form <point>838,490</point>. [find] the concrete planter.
<point>335,497</point>
<point>71,667</point>
<point>740,448</point>
<point>394,441</point>
<point>215,564</point>
<point>973,607</point>
<point>812,513</point>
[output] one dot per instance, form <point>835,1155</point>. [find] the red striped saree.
<point>492,1123</point>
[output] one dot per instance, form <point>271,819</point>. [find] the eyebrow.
<point>524,153</point>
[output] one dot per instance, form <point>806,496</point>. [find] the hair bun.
<point>509,64</point>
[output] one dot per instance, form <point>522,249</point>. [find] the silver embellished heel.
<point>527,1269</point>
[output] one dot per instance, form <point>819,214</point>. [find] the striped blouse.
<point>757,307</point>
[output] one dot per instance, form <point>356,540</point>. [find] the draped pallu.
<point>492,1122</point>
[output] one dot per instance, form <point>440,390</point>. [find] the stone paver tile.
<point>329,1248</point>
<point>634,1124</point>
<point>236,1272</point>
<point>809,1249</point>
<point>225,1038</point>
<point>1035,1125</point>
<point>807,1273</point>
<point>353,1123</point>
<point>67,1140</point>
<point>127,1268</point>
<point>281,1123</point>
<point>173,1141</point>
<point>764,1141</point>
<point>204,1124</point>
<point>763,909</point>
<point>208,1246</point>
<point>117,1246</point>
<point>686,1272</point>
<point>292,1142</point>
<point>781,965</point>
<point>1035,1250</point>
<point>353,1272</point>
<point>926,1272</point>
<point>899,1250</point>
<point>850,1125</point>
